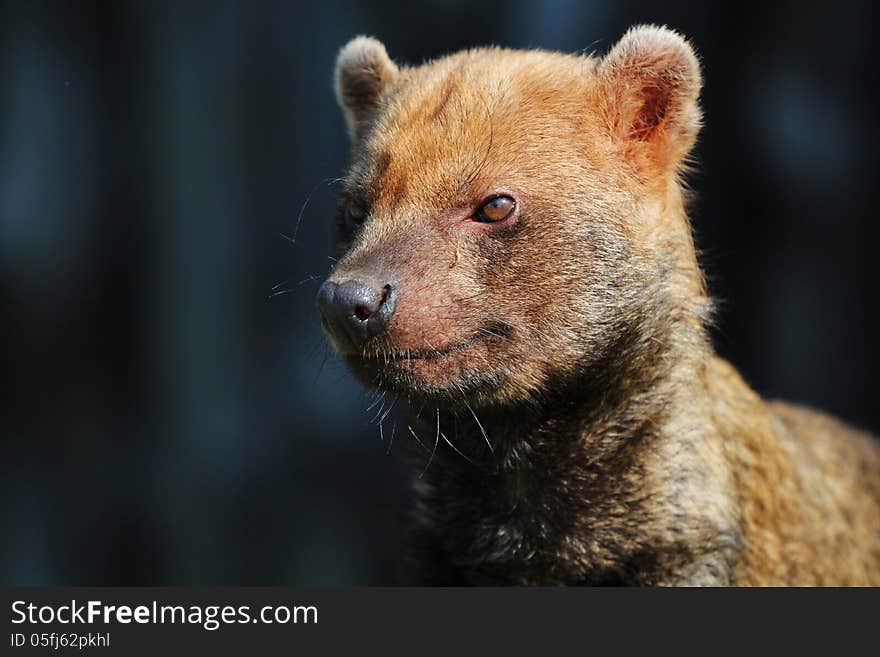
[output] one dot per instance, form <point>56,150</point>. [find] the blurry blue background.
<point>167,422</point>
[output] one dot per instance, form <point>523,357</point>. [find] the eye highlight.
<point>496,209</point>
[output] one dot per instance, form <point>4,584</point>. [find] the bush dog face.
<point>512,238</point>
<point>500,219</point>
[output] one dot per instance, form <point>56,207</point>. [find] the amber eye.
<point>356,214</point>
<point>496,209</point>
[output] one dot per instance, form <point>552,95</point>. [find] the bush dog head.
<point>512,222</point>
<point>512,238</point>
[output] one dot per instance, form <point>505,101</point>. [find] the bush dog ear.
<point>649,85</point>
<point>363,73</point>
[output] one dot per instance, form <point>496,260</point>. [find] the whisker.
<point>379,395</point>
<point>378,414</point>
<point>382,418</point>
<point>457,451</point>
<point>418,440</point>
<point>482,430</point>
<point>385,414</point>
<point>328,182</point>
<point>433,451</point>
<point>303,209</point>
<point>391,442</point>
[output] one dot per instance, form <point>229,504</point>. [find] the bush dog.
<point>515,259</point>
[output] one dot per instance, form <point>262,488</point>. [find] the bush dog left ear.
<point>364,72</point>
<point>649,87</point>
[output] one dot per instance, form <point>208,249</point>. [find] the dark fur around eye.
<point>355,214</point>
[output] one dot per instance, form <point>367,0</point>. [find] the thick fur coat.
<point>576,425</point>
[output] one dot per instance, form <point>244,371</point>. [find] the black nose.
<point>356,310</point>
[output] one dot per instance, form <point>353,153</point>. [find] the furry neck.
<point>561,491</point>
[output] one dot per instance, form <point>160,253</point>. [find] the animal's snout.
<point>355,310</point>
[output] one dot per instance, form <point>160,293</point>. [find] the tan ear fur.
<point>650,84</point>
<point>363,73</point>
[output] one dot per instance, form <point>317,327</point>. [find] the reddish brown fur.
<point>572,335</point>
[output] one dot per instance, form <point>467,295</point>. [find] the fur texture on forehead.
<point>640,100</point>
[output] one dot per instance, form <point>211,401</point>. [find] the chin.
<point>453,376</point>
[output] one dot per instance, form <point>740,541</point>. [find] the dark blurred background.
<point>166,422</point>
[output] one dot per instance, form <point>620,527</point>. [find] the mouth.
<point>428,369</point>
<point>490,333</point>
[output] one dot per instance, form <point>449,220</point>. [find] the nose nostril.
<point>355,310</point>
<point>364,311</point>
